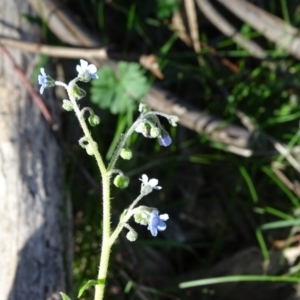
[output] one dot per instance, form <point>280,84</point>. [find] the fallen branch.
<point>226,28</point>
<point>273,28</point>
<point>147,61</point>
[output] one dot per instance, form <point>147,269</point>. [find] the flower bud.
<point>132,235</point>
<point>67,105</point>
<point>173,120</point>
<point>165,140</point>
<point>154,132</point>
<point>77,92</point>
<point>94,120</point>
<point>126,153</point>
<point>143,108</point>
<point>121,181</point>
<point>89,149</point>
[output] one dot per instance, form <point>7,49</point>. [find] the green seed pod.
<point>126,153</point>
<point>154,132</point>
<point>67,105</point>
<point>121,181</point>
<point>94,120</point>
<point>77,92</point>
<point>132,236</point>
<point>89,149</point>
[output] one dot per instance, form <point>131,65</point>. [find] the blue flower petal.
<point>156,223</point>
<point>42,80</point>
<point>42,89</point>
<point>161,226</point>
<point>165,140</point>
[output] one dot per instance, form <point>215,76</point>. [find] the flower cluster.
<point>85,71</point>
<point>147,124</point>
<point>148,215</point>
<point>154,132</point>
<point>150,127</point>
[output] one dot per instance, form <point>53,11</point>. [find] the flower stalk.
<point>149,125</point>
<point>106,248</point>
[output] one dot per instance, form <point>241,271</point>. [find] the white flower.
<point>86,71</point>
<point>148,185</point>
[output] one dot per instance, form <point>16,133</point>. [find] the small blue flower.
<point>42,80</point>
<point>45,81</point>
<point>86,72</point>
<point>156,222</point>
<point>164,140</point>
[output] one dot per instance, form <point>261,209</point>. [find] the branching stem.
<point>105,250</point>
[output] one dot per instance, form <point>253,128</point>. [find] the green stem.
<point>122,144</point>
<point>130,212</point>
<point>121,225</point>
<point>130,132</point>
<point>105,251</point>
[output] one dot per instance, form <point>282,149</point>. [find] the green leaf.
<point>89,284</point>
<point>280,224</point>
<point>165,8</point>
<point>64,296</point>
<point>238,278</point>
<point>119,92</point>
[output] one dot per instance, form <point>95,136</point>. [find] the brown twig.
<point>285,152</point>
<point>290,185</point>
<point>198,121</point>
<point>226,28</point>
<point>193,26</point>
<point>147,61</point>
<point>35,97</point>
<point>273,28</point>
<point>179,27</point>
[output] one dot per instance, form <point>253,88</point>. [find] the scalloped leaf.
<point>119,92</point>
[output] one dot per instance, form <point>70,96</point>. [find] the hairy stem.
<point>121,145</point>
<point>130,212</point>
<point>105,251</point>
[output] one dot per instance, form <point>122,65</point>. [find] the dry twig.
<point>273,28</point>
<point>193,24</point>
<point>147,61</point>
<point>226,28</point>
